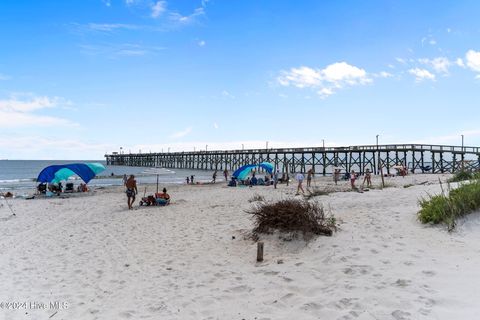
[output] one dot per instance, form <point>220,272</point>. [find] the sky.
<point>82,78</point>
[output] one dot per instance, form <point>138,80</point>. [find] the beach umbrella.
<point>57,173</point>
<point>242,172</point>
<point>157,172</point>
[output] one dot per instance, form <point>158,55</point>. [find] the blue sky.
<point>81,78</point>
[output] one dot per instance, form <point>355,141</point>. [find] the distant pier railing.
<point>415,157</point>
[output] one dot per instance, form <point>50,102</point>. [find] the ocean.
<point>22,174</point>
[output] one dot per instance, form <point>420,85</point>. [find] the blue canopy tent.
<point>242,172</point>
<point>57,173</point>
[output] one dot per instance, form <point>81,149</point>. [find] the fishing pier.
<point>414,157</point>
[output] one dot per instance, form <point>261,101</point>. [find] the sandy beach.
<point>192,259</point>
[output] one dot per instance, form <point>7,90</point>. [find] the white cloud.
<point>108,3</point>
<point>215,125</point>
<point>300,77</point>
<point>432,42</point>
<point>401,60</point>
<point>36,103</point>
<point>35,147</point>
<point>181,134</point>
<point>459,62</point>
<point>328,80</point>
<point>158,8</point>
<point>202,43</point>
<point>383,74</point>
<point>421,74</point>
<point>119,50</point>
<point>15,112</point>
<point>176,17</point>
<point>227,94</point>
<point>109,27</point>
<point>439,64</point>
<point>473,60</point>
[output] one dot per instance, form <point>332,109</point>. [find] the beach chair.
<point>69,187</point>
<point>425,168</point>
<point>42,188</point>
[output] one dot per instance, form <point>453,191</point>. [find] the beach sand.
<point>192,259</point>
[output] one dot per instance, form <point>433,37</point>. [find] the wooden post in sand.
<point>259,251</point>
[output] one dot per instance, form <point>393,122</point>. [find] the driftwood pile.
<point>291,215</point>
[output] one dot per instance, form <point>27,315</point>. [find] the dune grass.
<point>448,206</point>
<point>464,175</point>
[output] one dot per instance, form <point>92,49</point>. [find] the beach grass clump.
<point>464,175</point>
<point>316,191</point>
<point>256,198</point>
<point>447,207</point>
<point>461,176</point>
<point>292,216</point>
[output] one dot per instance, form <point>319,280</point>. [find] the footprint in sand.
<point>429,273</point>
<point>402,283</point>
<point>358,269</point>
<point>401,315</point>
<point>427,302</point>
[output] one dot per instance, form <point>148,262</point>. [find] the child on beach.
<point>353,177</point>
<point>309,177</point>
<point>214,177</point>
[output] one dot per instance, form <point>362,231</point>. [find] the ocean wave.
<point>17,180</point>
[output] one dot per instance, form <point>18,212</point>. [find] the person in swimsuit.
<point>352,179</point>
<point>368,178</point>
<point>132,190</point>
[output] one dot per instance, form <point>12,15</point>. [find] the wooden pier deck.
<point>416,157</point>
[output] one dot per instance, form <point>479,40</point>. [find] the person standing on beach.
<point>132,190</point>
<point>191,178</point>
<point>309,177</point>
<point>225,174</point>
<point>336,175</point>
<point>300,177</point>
<point>353,177</point>
<point>275,179</point>
<point>368,178</point>
<point>188,180</point>
<point>125,179</point>
<point>214,177</point>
